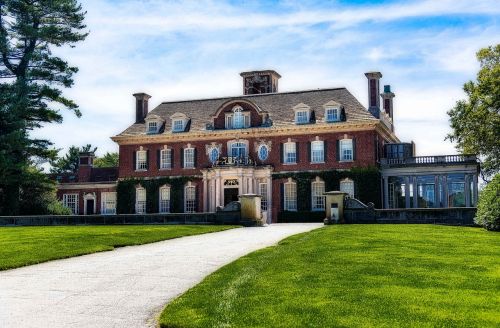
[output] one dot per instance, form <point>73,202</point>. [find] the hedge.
<point>488,207</point>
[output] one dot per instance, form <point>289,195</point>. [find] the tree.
<point>108,160</point>
<point>31,78</point>
<point>70,162</point>
<point>475,121</point>
<point>488,207</point>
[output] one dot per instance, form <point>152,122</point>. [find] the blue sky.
<point>177,50</point>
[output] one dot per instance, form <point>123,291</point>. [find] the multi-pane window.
<point>290,196</point>
<point>263,194</point>
<point>238,149</point>
<point>141,160</point>
<point>164,199</point>
<point>108,203</point>
<point>317,197</point>
<point>317,152</point>
<point>301,116</point>
<point>152,127</point>
<point>290,153</point>
<point>178,126</point>
<point>238,119</point>
<point>346,150</point>
<point>189,158</point>
<point>348,187</point>
<point>332,114</point>
<point>165,158</point>
<point>71,201</point>
<point>140,200</point>
<point>190,199</point>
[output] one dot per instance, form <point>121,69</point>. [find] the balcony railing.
<point>234,161</point>
<point>429,160</point>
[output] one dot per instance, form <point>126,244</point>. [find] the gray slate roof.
<point>279,106</point>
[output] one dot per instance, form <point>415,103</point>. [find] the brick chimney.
<point>85,165</point>
<point>373,92</point>
<point>141,106</point>
<point>257,82</point>
<point>387,97</point>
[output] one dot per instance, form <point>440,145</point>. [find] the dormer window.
<point>332,114</point>
<point>178,126</point>
<point>302,114</point>
<point>152,127</point>
<point>237,119</point>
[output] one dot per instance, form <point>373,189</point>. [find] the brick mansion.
<point>288,147</point>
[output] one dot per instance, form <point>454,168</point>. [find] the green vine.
<point>125,192</point>
<point>366,184</point>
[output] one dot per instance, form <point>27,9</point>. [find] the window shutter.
<point>282,153</point>
<point>195,157</point>
<point>282,196</point>
<point>158,158</point>
<point>134,160</point>
<point>325,151</point>
<point>353,149</point>
<point>309,153</point>
<point>147,159</point>
<point>297,153</point>
<point>171,157</point>
<point>338,151</point>
<point>182,157</point>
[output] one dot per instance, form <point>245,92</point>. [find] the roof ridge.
<point>255,95</point>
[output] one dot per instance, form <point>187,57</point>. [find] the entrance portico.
<point>222,185</point>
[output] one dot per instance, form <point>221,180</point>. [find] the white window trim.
<point>191,163</point>
<point>166,161</point>
<point>162,208</point>
<point>105,199</point>
<point>289,204</point>
<point>229,118</point>
<point>317,142</point>
<point>174,124</point>
<point>263,188</point>
<point>149,125</point>
<point>140,205</point>
<point>307,116</point>
<point>341,144</point>
<point>285,157</point>
<point>350,183</point>
<point>66,201</point>
<point>189,207</point>
<point>337,109</point>
<point>138,160</point>
<point>231,143</point>
<point>315,195</point>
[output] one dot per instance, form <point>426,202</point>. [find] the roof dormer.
<point>334,112</point>
<point>302,113</point>
<point>154,124</point>
<point>179,122</point>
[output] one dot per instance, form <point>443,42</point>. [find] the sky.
<point>181,50</point>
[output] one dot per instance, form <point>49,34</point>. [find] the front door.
<point>230,195</point>
<point>90,207</point>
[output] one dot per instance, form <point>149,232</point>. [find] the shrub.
<point>488,207</point>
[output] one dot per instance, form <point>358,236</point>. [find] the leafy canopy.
<point>475,121</point>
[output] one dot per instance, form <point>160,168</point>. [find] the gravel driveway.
<point>126,287</point>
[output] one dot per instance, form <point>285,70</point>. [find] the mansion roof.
<point>278,106</point>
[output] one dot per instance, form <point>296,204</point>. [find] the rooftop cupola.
<point>387,97</point>
<point>141,106</point>
<point>257,82</point>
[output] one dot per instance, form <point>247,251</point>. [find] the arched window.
<point>290,196</point>
<point>140,200</point>
<point>190,198</point>
<point>263,152</point>
<point>347,185</point>
<point>164,199</point>
<point>317,197</point>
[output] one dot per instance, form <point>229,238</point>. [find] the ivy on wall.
<point>125,193</point>
<point>366,184</point>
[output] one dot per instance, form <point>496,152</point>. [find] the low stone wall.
<point>170,218</point>
<point>452,216</point>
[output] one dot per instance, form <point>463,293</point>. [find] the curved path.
<point>126,287</point>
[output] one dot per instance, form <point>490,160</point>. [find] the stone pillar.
<point>251,209</point>
<point>335,202</point>
<point>407,192</point>
<point>386,192</point>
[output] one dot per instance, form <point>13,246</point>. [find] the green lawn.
<point>20,246</point>
<point>354,276</point>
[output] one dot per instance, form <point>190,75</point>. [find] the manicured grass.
<point>354,276</point>
<point>20,246</point>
